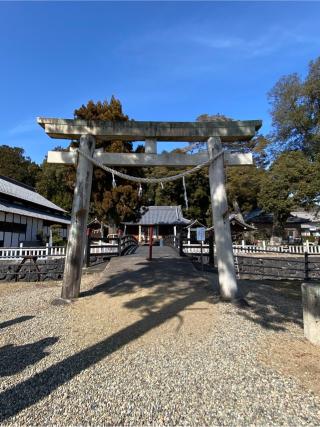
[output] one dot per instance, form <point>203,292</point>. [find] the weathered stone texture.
<point>311,311</point>
<point>48,270</point>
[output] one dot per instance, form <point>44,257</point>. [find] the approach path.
<point>150,343</point>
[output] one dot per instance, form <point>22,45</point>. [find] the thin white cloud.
<point>218,43</point>
<point>23,127</point>
<point>272,41</point>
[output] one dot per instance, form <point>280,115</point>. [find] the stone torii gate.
<point>214,133</point>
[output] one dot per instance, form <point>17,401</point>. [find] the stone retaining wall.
<point>98,259</point>
<point>282,267</point>
<point>277,268</point>
<point>51,269</point>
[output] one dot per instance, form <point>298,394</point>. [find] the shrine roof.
<point>164,215</point>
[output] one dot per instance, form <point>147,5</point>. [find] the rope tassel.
<point>114,184</point>
<point>185,193</point>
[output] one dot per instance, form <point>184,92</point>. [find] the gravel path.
<point>150,343</point>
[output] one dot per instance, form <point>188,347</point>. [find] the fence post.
<point>150,242</point>
<point>20,251</point>
<point>88,252</point>
<point>119,246</point>
<point>181,244</point>
<point>211,250</point>
<point>306,266</point>
<point>201,254</point>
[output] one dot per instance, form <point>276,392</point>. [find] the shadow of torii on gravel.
<point>161,280</point>
<point>173,286</point>
<point>12,322</point>
<point>32,390</point>
<point>272,304</point>
<point>15,358</point>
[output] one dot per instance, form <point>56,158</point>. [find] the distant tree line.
<point>286,174</point>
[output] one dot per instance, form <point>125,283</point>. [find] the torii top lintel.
<point>228,131</point>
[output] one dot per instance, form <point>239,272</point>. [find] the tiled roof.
<point>233,217</point>
<point>259,216</point>
<point>303,216</point>
<point>34,213</point>
<point>20,191</point>
<point>195,224</point>
<point>239,219</point>
<point>169,215</point>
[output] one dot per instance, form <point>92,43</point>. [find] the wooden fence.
<point>269,262</point>
<point>116,246</point>
<point>190,248</point>
<point>299,267</point>
<point>113,247</point>
<point>39,252</point>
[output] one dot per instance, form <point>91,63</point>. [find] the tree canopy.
<point>295,111</point>
<point>291,182</point>
<point>243,185</point>
<point>14,164</point>
<point>109,204</point>
<point>172,193</point>
<point>56,183</point>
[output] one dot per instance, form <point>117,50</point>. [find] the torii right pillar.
<point>221,223</point>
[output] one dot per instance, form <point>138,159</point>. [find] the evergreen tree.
<point>243,186</point>
<point>291,182</point>
<point>56,183</point>
<point>14,164</point>
<point>111,205</point>
<point>296,112</point>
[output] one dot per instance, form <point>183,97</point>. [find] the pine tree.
<point>111,205</point>
<point>14,164</point>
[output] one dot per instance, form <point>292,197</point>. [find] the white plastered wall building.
<point>26,216</point>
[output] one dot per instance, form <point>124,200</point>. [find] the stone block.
<point>311,311</point>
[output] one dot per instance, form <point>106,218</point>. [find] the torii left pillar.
<point>79,220</point>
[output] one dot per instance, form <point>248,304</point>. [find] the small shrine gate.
<point>215,133</point>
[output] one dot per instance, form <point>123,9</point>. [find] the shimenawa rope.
<point>148,180</point>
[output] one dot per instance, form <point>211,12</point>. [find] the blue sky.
<point>163,60</point>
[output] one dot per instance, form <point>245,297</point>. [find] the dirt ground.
<point>294,357</point>
<point>286,351</point>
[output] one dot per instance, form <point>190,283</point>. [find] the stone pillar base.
<point>311,311</point>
